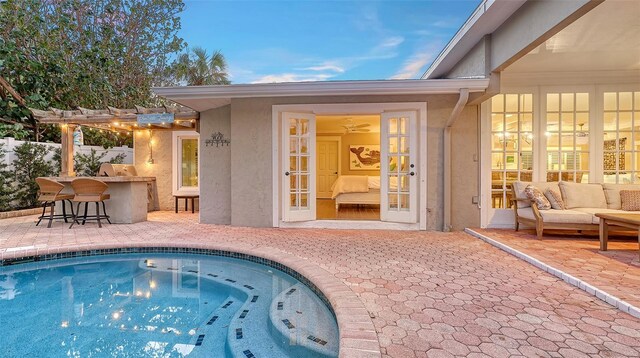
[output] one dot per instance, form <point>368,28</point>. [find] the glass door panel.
<point>298,181</point>
<point>567,134</point>
<point>621,146</point>
<point>398,177</point>
<point>511,145</point>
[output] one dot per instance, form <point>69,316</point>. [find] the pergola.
<point>112,119</point>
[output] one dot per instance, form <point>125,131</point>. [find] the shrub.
<point>6,183</point>
<point>89,164</point>
<point>29,164</point>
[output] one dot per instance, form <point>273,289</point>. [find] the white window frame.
<point>595,127</point>
<point>176,165</point>
<point>496,217</point>
<point>599,92</point>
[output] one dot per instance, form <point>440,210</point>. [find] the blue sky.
<point>290,41</point>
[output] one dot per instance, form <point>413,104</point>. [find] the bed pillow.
<point>555,199</point>
<point>536,195</point>
<point>630,200</point>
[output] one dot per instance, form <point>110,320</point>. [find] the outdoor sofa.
<point>581,202</point>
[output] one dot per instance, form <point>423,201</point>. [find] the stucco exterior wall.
<point>161,169</point>
<point>475,63</point>
<point>251,156</point>
<point>215,168</point>
<point>465,171</point>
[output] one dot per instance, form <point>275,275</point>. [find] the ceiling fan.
<point>351,127</point>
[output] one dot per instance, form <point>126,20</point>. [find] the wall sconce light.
<point>150,160</point>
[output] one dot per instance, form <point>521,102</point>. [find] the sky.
<point>293,41</point>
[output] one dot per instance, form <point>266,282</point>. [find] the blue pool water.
<point>160,305</point>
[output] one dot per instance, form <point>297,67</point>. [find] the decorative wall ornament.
<point>610,152</point>
<point>364,157</point>
<point>218,139</point>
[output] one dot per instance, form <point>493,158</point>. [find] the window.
<point>511,144</point>
<point>185,162</point>
<point>567,136</point>
<point>189,167</point>
<point>621,146</point>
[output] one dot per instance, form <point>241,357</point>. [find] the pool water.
<point>160,305</point>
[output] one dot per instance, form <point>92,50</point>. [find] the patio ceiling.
<point>605,39</point>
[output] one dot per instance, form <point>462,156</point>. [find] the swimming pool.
<point>160,305</point>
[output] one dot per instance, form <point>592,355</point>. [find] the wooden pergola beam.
<point>83,116</point>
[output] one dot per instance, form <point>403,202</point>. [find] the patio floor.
<point>429,293</point>
<point>615,271</point>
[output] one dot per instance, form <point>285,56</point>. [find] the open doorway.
<point>348,167</point>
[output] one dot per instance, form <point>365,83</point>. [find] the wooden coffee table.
<point>630,221</point>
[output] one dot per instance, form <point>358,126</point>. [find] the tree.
<point>87,53</point>
<point>197,68</point>
<point>29,164</point>
<point>6,183</point>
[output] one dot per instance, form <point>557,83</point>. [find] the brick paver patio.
<point>615,271</point>
<point>429,293</point>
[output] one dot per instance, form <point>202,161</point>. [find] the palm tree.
<point>197,68</point>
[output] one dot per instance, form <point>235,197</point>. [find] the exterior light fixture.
<point>150,160</point>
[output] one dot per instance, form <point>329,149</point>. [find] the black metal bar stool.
<point>49,194</point>
<point>90,191</point>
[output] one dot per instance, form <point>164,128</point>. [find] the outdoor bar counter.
<point>128,202</point>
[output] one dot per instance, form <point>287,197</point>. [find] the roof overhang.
<point>487,17</point>
<point>202,98</point>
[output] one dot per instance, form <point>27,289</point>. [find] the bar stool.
<point>90,191</point>
<point>49,194</point>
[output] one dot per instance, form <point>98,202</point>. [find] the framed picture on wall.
<point>364,157</point>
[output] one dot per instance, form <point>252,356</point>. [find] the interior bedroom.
<point>348,167</point>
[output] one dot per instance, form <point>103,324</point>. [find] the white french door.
<point>398,167</point>
<point>299,162</point>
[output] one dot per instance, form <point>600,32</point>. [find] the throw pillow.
<point>536,195</point>
<point>630,200</point>
<point>555,199</point>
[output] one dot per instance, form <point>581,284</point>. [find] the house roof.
<point>201,98</point>
<point>486,18</point>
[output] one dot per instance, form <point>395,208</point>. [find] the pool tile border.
<point>356,329</point>
<point>572,280</point>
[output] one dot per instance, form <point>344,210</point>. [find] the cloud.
<point>390,42</point>
<point>293,77</point>
<point>416,64</point>
<point>326,67</point>
<point>447,23</point>
<point>324,70</point>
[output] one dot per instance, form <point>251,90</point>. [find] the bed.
<point>356,189</point>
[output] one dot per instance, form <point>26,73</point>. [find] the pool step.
<point>248,335</point>
<point>209,338</point>
<point>300,319</point>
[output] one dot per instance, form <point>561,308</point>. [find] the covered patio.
<point>133,189</point>
<point>423,293</point>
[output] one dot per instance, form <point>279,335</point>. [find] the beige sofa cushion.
<point>582,195</point>
<point>538,197</point>
<point>594,211</point>
<point>558,216</point>
<point>555,199</point>
<point>519,187</point>
<point>630,200</point>
<point>612,193</point>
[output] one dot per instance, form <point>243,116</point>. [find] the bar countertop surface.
<point>119,179</point>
